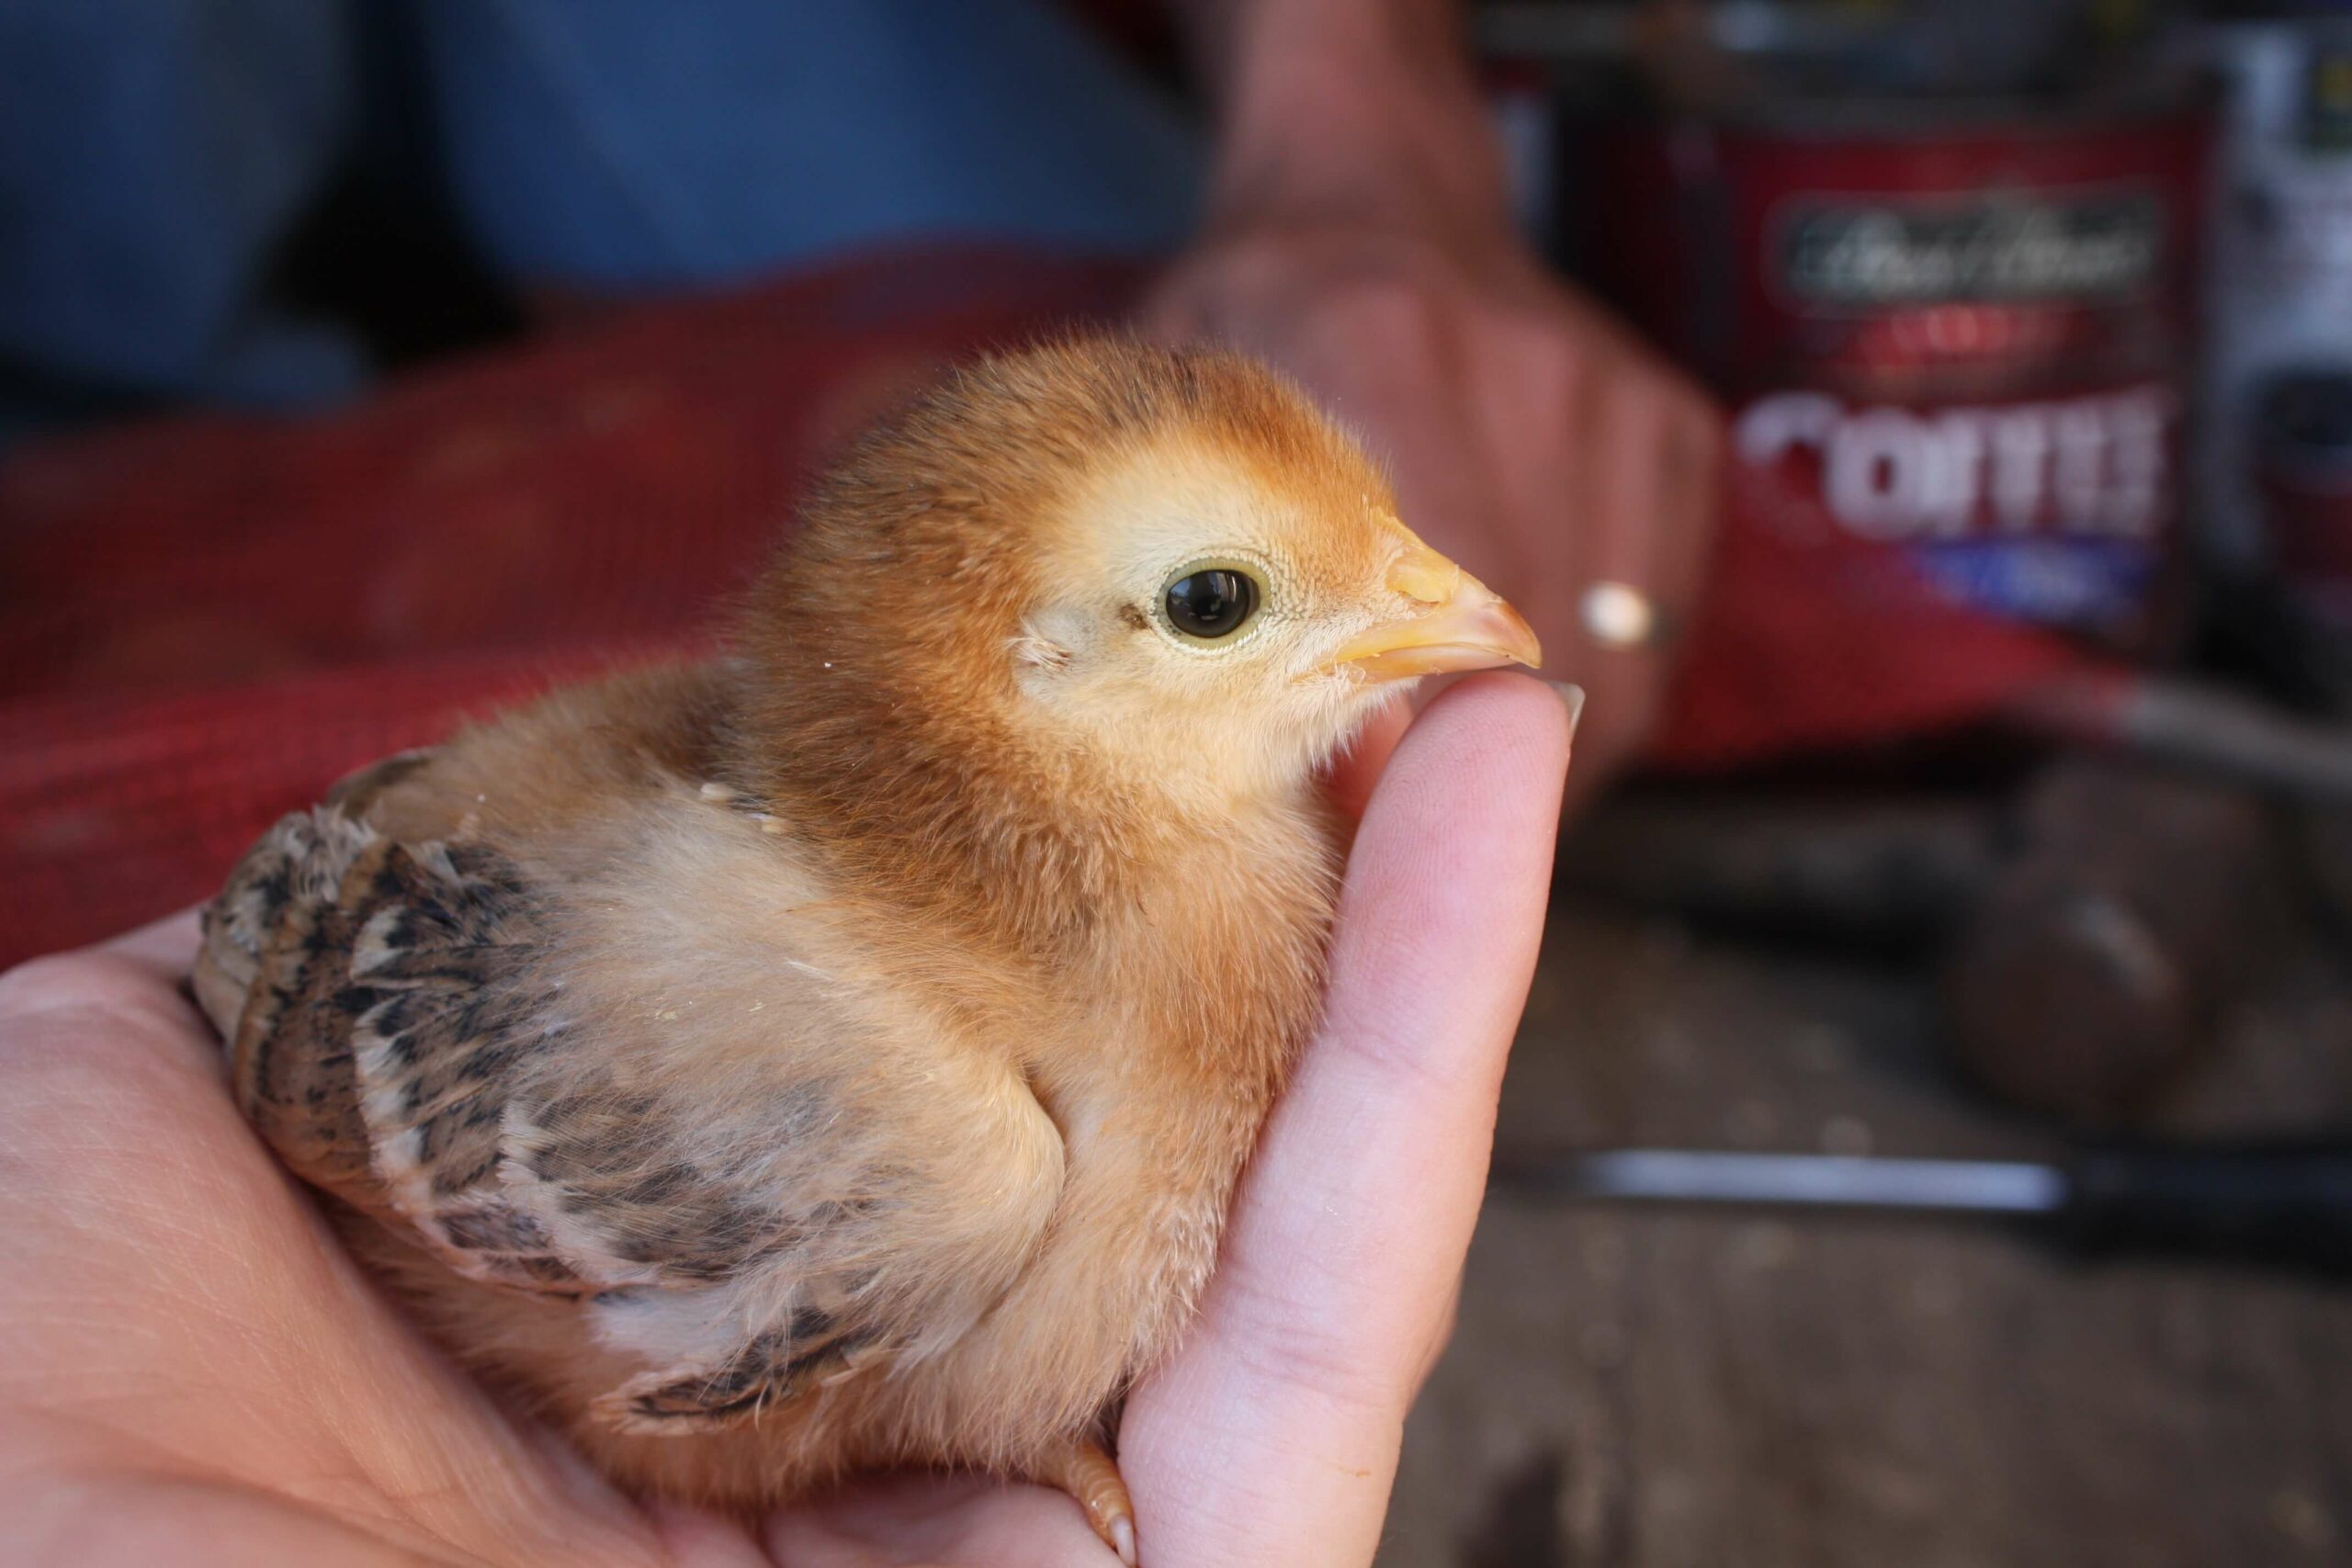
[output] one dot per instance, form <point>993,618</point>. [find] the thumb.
<point>1272,1435</point>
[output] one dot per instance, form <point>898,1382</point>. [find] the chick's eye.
<point>1212,601</point>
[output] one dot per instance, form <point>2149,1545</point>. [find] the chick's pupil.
<point>1210,603</point>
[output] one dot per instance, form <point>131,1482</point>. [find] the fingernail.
<point>1571,695</point>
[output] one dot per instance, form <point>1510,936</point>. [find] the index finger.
<point>136,976</point>
<point>165,947</point>
<point>1271,1436</point>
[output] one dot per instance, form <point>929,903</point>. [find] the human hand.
<point>1360,238</point>
<point>196,1373</point>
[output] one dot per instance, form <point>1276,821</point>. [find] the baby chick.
<point>840,1056</point>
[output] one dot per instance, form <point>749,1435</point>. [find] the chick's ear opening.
<point>1048,642</point>
<point>1037,653</point>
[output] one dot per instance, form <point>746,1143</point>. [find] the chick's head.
<point>1168,562</point>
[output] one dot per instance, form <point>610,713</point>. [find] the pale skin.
<point>1359,236</point>
<point>196,1373</point>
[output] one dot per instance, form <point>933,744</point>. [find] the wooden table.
<point>1668,1389</point>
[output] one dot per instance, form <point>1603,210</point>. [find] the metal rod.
<point>1839,1181</point>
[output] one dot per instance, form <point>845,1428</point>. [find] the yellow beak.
<point>1465,625</point>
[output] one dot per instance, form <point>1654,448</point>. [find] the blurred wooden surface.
<point>1666,1389</point>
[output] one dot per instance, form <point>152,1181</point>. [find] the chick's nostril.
<point>1425,576</point>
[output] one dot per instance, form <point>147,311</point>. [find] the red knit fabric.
<point>206,619</point>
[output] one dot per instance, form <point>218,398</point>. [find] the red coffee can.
<point>1941,262</point>
<point>1965,330</point>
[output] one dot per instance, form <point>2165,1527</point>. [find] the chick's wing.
<point>422,1031</point>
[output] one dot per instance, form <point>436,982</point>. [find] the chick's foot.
<point>1092,1477</point>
